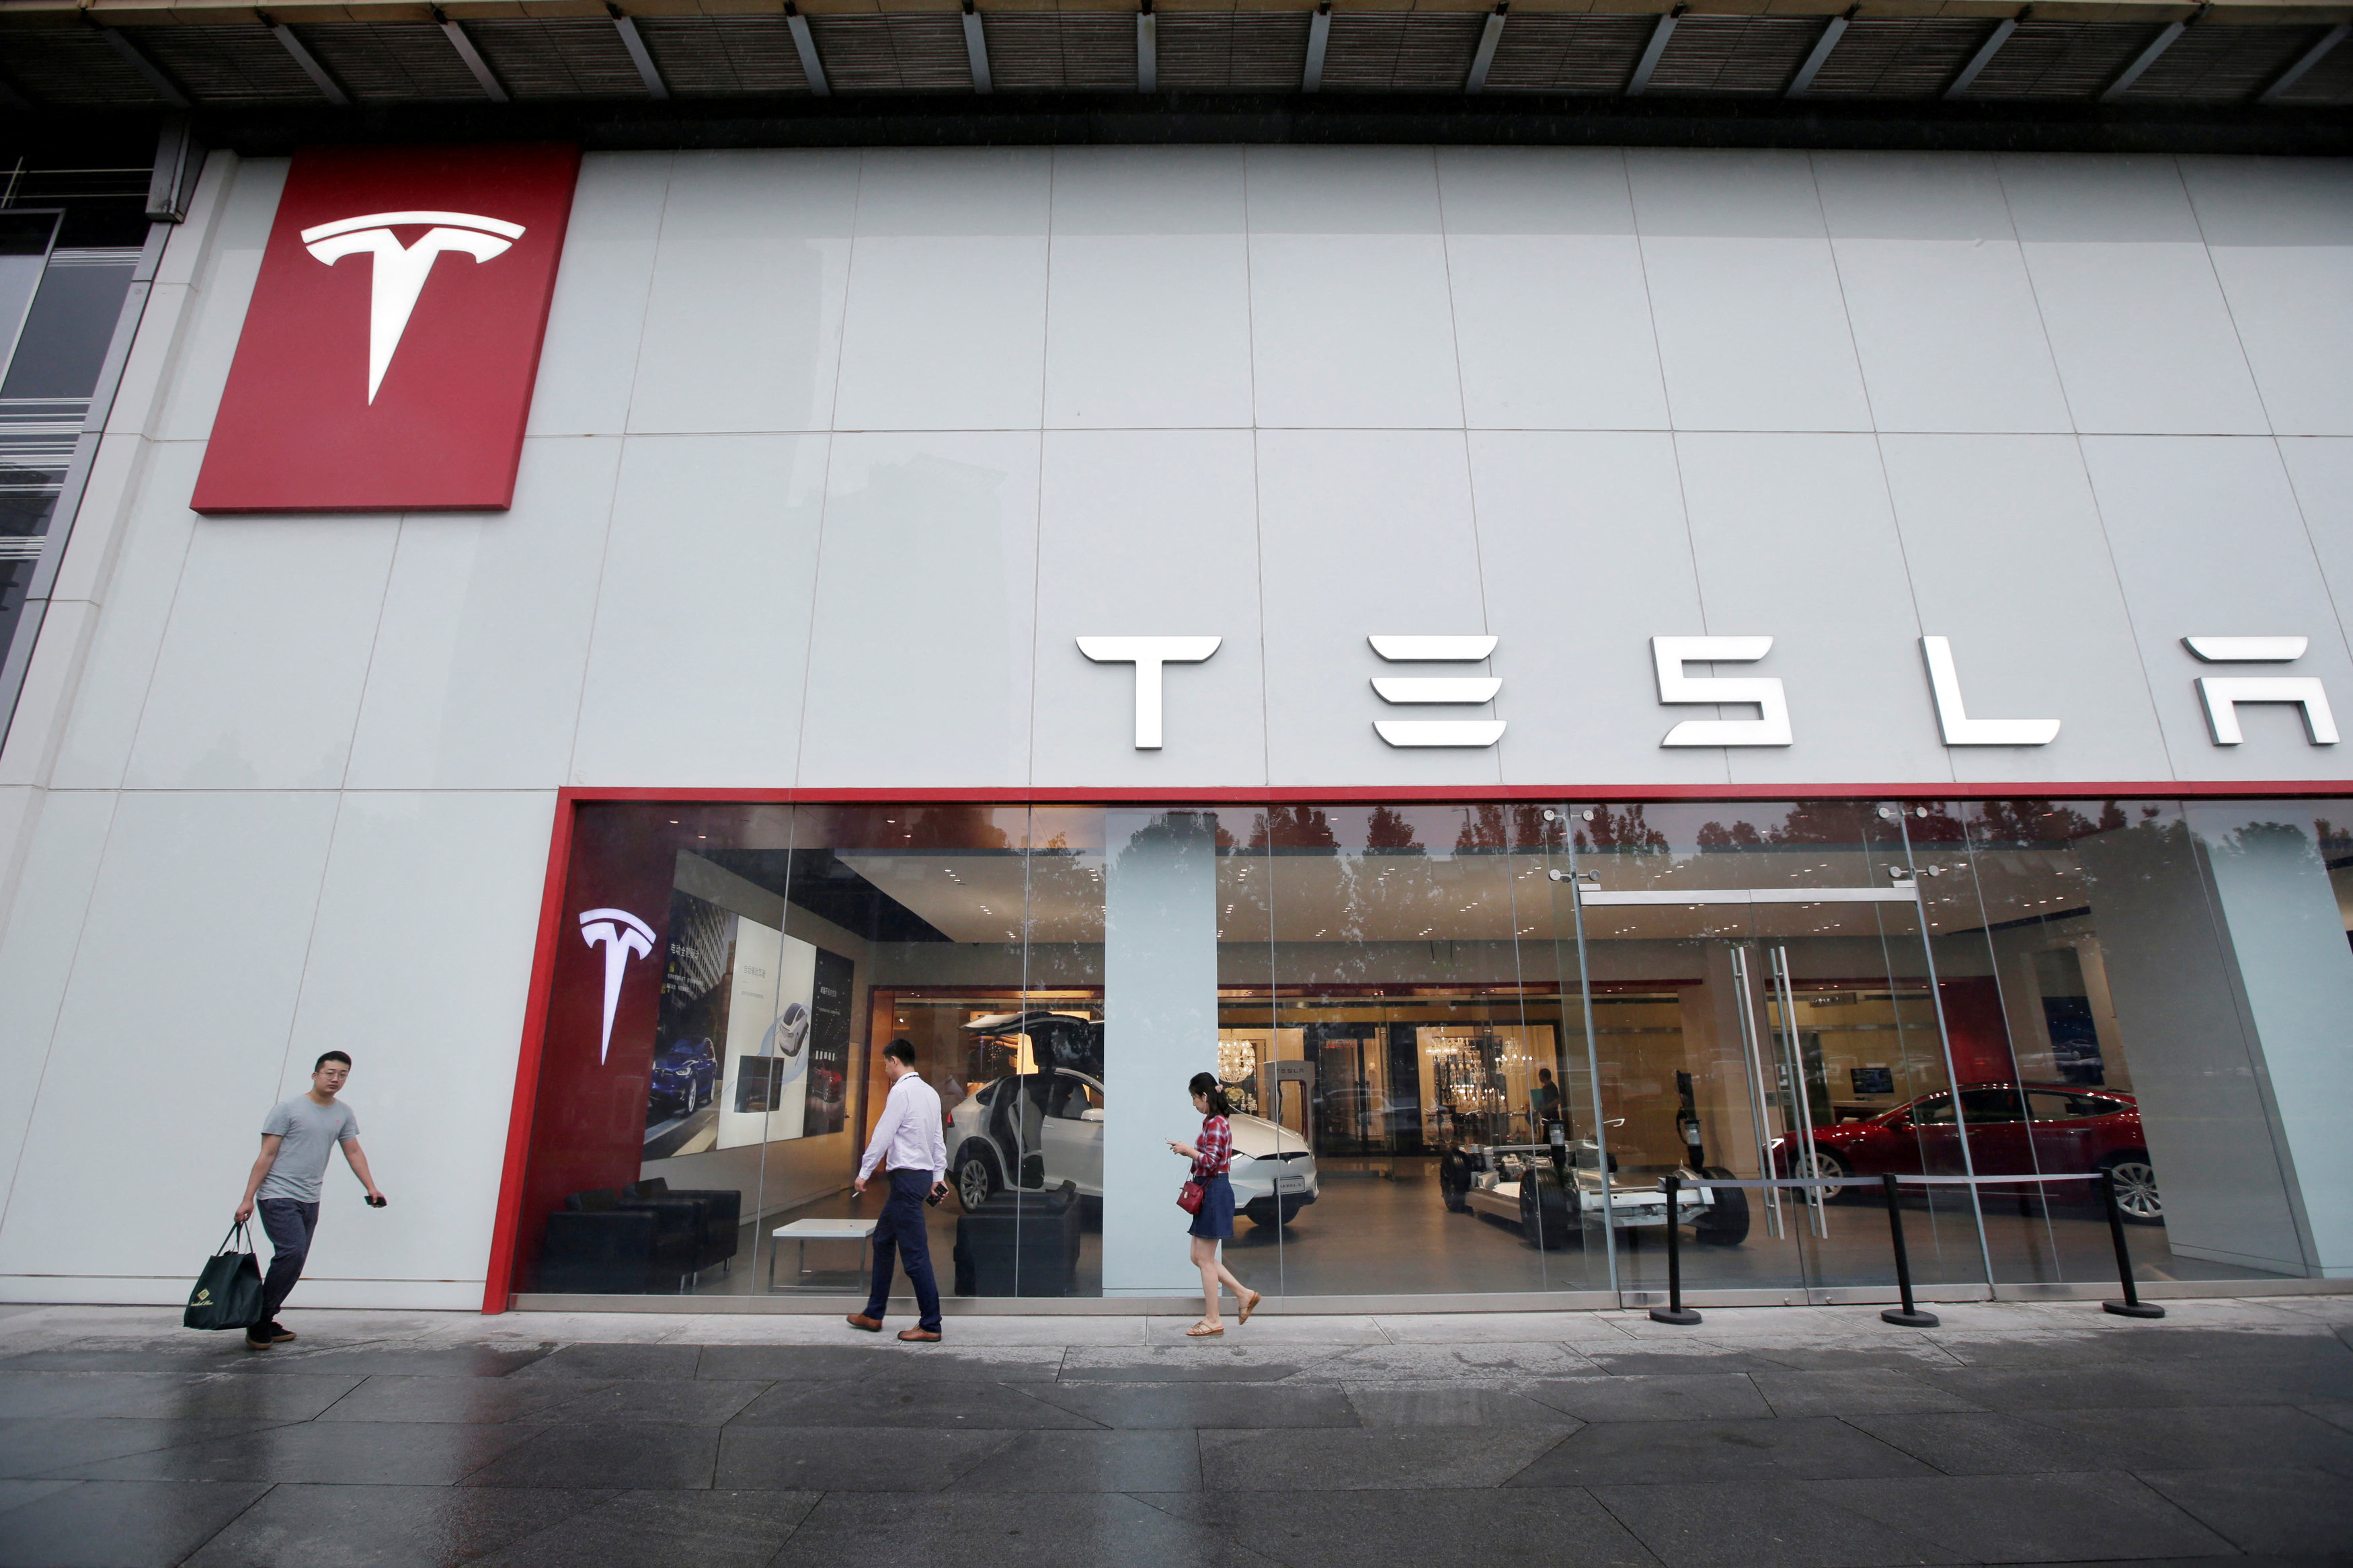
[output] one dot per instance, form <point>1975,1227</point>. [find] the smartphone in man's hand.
<point>939,1190</point>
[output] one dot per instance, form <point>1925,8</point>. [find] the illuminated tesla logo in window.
<point>620,934</point>
<point>401,270</point>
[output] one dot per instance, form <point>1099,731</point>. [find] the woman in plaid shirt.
<point>1210,1156</point>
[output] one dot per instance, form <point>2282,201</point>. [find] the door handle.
<point>1759,1098</point>
<point>1817,1213</point>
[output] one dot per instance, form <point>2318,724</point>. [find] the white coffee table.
<point>805,1231</point>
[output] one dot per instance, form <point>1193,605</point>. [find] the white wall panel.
<point>1148,534</point>
<point>702,618</point>
<point>1551,313</point>
<point>2322,474</point>
<point>37,955</point>
<point>921,645</point>
<point>2280,231</point>
<point>596,321</point>
<point>475,678</point>
<point>2208,541</point>
<point>417,967</point>
<point>1585,557</point>
<point>257,682</point>
<point>2137,321</point>
<point>947,325</point>
<point>743,319</point>
<point>137,607</point>
<point>1364,533</point>
<point>1147,316</point>
<point>1794,539</point>
<point>1943,317</point>
<point>1752,329</point>
<point>2008,559</point>
<point>1349,308</point>
<point>222,288</point>
<point>182,993</point>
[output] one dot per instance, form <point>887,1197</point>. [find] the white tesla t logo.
<point>400,270</point>
<point>619,933</point>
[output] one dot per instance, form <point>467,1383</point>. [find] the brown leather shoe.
<point>918,1336</point>
<point>860,1321</point>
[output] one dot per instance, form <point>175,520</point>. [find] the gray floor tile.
<point>2026,1353</point>
<point>845,1460</point>
<point>2187,1344</point>
<point>1290,1459</point>
<point>1425,1528</point>
<point>1093,1461</point>
<point>121,1524</point>
<point>969,1530</point>
<point>1213,1361</point>
<point>383,1527</point>
<point>2275,1508</point>
<point>2152,1384</point>
<point>16,1494</point>
<point>941,1405</point>
<point>36,1447</point>
<point>169,1395</point>
<point>2029,1518</point>
<point>2337,1413</point>
<point>1854,1356</point>
<point>689,1402</point>
<point>1752,1524</point>
<point>1388,1404</point>
<point>1863,1392</point>
<point>1987,1444</point>
<point>317,1354</point>
<point>2229,1436</point>
<point>1650,1398</point>
<point>1684,1359</point>
<point>640,1456</point>
<point>1150,1405</point>
<point>612,1362</point>
<point>887,1360</point>
<point>1634,1452</point>
<point>355,1452</point>
<point>675,1530</point>
<point>388,1397</point>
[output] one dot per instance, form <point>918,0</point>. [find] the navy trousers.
<point>900,1231</point>
<point>290,1227</point>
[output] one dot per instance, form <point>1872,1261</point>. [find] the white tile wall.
<point>208,898</point>
<point>713,660</point>
<point>474,679</point>
<point>417,966</point>
<point>834,453</point>
<point>1751,325</point>
<point>1148,306</point>
<point>947,292</point>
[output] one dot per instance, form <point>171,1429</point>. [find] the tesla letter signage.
<point>388,355</point>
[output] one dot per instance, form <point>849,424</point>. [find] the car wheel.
<point>1547,1212</point>
<point>2137,1195</point>
<point>1726,1224</point>
<point>1819,1164</point>
<point>976,1178</point>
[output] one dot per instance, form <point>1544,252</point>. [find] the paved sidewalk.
<point>1793,1435</point>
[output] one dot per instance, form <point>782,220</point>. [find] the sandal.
<point>1202,1331</point>
<point>1251,1305</point>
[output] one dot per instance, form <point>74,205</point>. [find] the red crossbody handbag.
<point>1189,1196</point>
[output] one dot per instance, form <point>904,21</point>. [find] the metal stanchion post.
<point>1674,1312</point>
<point>1910,1316</point>
<point>2132,1306</point>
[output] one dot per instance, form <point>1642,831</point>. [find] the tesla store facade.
<point>1544,668</point>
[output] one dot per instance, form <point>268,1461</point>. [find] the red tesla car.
<point>2014,1129</point>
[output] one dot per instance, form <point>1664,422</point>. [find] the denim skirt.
<point>1216,1220</point>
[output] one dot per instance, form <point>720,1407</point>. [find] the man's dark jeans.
<point>290,1227</point>
<point>901,1229</point>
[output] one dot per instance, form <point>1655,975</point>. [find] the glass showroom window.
<point>1467,1043</point>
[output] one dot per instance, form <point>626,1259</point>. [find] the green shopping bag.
<point>228,1292</point>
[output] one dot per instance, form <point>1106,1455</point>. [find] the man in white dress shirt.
<point>908,1142</point>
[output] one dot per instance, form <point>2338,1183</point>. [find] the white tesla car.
<point>1273,1172</point>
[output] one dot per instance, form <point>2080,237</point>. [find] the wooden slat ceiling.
<point>53,53</point>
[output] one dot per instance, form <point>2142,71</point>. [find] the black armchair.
<point>718,1216</point>
<point>595,1245</point>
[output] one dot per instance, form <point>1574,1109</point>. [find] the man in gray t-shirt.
<point>296,1139</point>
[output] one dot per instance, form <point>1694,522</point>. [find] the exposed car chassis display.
<point>1553,1193</point>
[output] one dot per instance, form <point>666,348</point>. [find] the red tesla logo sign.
<point>388,354</point>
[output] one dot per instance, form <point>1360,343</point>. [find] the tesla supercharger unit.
<point>1273,1076</point>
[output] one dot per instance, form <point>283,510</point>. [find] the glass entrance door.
<point>1760,1000</point>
